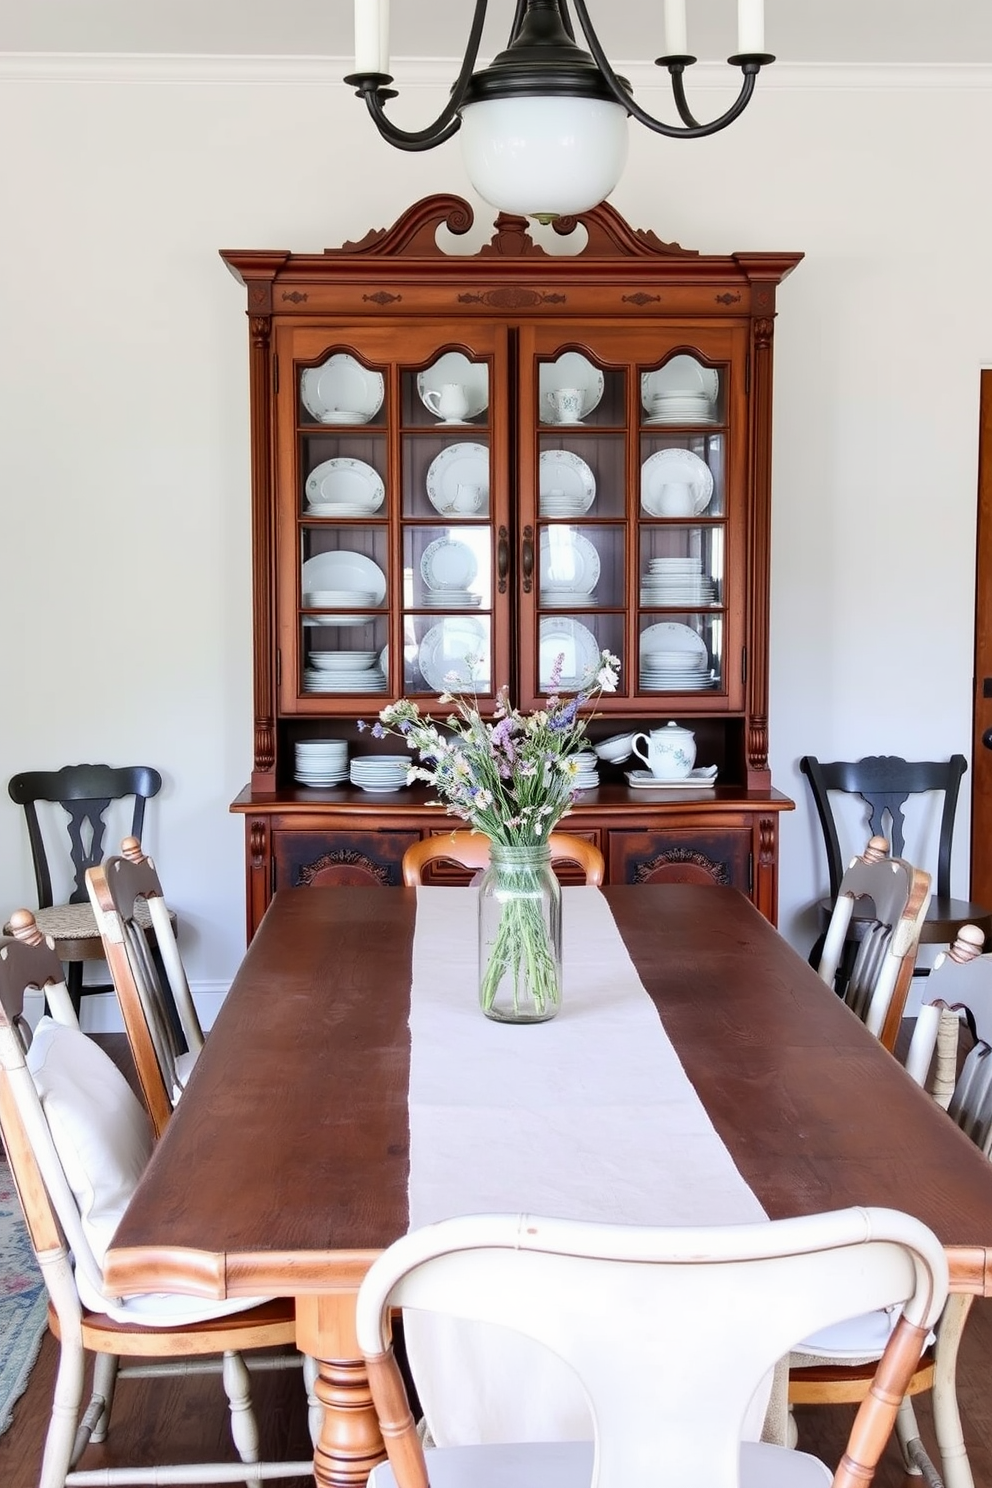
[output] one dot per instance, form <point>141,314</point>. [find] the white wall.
<point>125,596</point>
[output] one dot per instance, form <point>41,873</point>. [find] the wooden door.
<point>981,778</point>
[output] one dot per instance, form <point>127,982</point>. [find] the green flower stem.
<point>521,951</point>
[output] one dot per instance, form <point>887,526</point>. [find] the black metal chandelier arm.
<point>442,129</point>
<point>677,72</point>
<point>371,86</point>
<point>694,130</point>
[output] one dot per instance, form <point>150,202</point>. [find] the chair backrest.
<point>726,1303</point>
<point>84,792</point>
<point>116,889</point>
<point>879,981</point>
<point>471,850</point>
<point>32,1124</point>
<point>884,782</point>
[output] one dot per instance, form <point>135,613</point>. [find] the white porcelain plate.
<point>561,470</point>
<point>447,648</point>
<point>344,571</point>
<point>342,386</point>
<point>568,561</point>
<point>454,366</point>
<point>457,465</point>
<point>576,644</point>
<point>571,369</point>
<point>448,564</point>
<point>350,485</point>
<point>675,466</point>
<point>683,374</point>
<point>672,635</point>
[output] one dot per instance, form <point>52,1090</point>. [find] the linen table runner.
<point>589,1116</point>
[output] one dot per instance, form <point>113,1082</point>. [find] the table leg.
<point>350,1443</point>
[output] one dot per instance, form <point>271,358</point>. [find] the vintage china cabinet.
<point>423,490</point>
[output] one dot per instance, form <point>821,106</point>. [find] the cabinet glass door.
<point>631,480</point>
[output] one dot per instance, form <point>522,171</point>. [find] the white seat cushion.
<point>569,1465</point>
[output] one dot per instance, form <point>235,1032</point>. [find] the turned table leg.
<point>350,1444</point>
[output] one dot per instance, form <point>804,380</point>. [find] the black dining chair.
<point>884,783</point>
<point>84,793</point>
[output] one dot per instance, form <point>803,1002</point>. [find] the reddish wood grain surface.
<point>285,1165</point>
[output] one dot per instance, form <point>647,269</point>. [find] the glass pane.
<point>452,391</point>
<point>681,566</point>
<point>682,475</point>
<point>441,652</point>
<point>581,567</point>
<point>682,390</point>
<point>447,568</point>
<point>682,653</point>
<point>572,389</point>
<point>341,390</point>
<point>445,476</point>
<point>344,654</point>
<point>581,475</point>
<point>343,568</point>
<point>569,649</point>
<point>343,476</point>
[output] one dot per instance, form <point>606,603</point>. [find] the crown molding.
<point>433,72</point>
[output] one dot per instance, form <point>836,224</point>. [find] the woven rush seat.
<point>76,921</point>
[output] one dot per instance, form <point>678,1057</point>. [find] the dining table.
<point>286,1166</point>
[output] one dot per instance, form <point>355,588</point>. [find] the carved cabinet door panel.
<point>336,859</point>
<point>682,855</point>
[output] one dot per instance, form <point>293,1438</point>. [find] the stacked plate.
<point>677,581</point>
<point>447,567</point>
<point>451,599</point>
<point>321,761</point>
<point>380,772</point>
<point>588,776</point>
<point>683,391</point>
<point>344,488</point>
<point>567,484</point>
<point>343,671</point>
<point>569,569</point>
<point>674,658</point>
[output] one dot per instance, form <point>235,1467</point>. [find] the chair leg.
<point>955,1467</point>
<point>104,1384</point>
<point>908,1434</point>
<point>74,984</point>
<point>244,1427</point>
<point>60,1441</point>
<point>315,1411</point>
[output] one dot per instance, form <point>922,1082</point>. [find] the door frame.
<point>981,772</point>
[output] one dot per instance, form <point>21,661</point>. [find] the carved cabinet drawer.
<point>332,859</point>
<point>720,855</point>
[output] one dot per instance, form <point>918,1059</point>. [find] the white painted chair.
<point>77,1140</point>
<point>822,1377</point>
<point>671,1332</point>
<point>880,977</point>
<point>126,893</point>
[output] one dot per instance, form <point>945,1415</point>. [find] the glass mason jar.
<point>520,936</point>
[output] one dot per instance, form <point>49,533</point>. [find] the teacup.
<point>450,402</point>
<point>467,498</point>
<point>566,404</point>
<point>670,752</point>
<point>676,499</point>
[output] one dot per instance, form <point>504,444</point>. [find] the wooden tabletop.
<point>284,1168</point>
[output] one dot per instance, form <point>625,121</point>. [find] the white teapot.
<point>670,751</point>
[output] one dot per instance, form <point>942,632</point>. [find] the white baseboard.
<point>99,1012</point>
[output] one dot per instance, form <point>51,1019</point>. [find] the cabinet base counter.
<point>721,835</point>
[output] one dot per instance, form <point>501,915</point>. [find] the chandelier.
<point>544,126</point>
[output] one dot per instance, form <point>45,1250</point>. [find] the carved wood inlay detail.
<point>343,858</point>
<point>296,296</point>
<point>640,298</point>
<point>257,839</point>
<point>382,297</point>
<point>260,331</point>
<point>265,744</point>
<point>728,299</point>
<point>259,295</point>
<point>766,842</point>
<point>673,856</point>
<point>511,299</point>
<point>764,299</point>
<point>757,743</point>
<point>764,329</point>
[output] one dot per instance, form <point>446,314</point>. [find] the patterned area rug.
<point>23,1301</point>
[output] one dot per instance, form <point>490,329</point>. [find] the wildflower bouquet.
<point>513,779</point>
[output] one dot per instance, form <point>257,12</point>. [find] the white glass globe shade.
<point>544,157</point>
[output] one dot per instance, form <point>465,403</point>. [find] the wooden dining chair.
<point>84,793</point>
<point>818,1378</point>
<point>471,850</point>
<point>890,897</point>
<point>77,1140</point>
<point>161,1022</point>
<point>667,1402</point>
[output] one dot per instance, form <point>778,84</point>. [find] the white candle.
<point>750,27</point>
<point>368,42</point>
<point>676,44</point>
<point>384,36</point>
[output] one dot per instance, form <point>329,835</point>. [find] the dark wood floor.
<point>186,1420</point>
